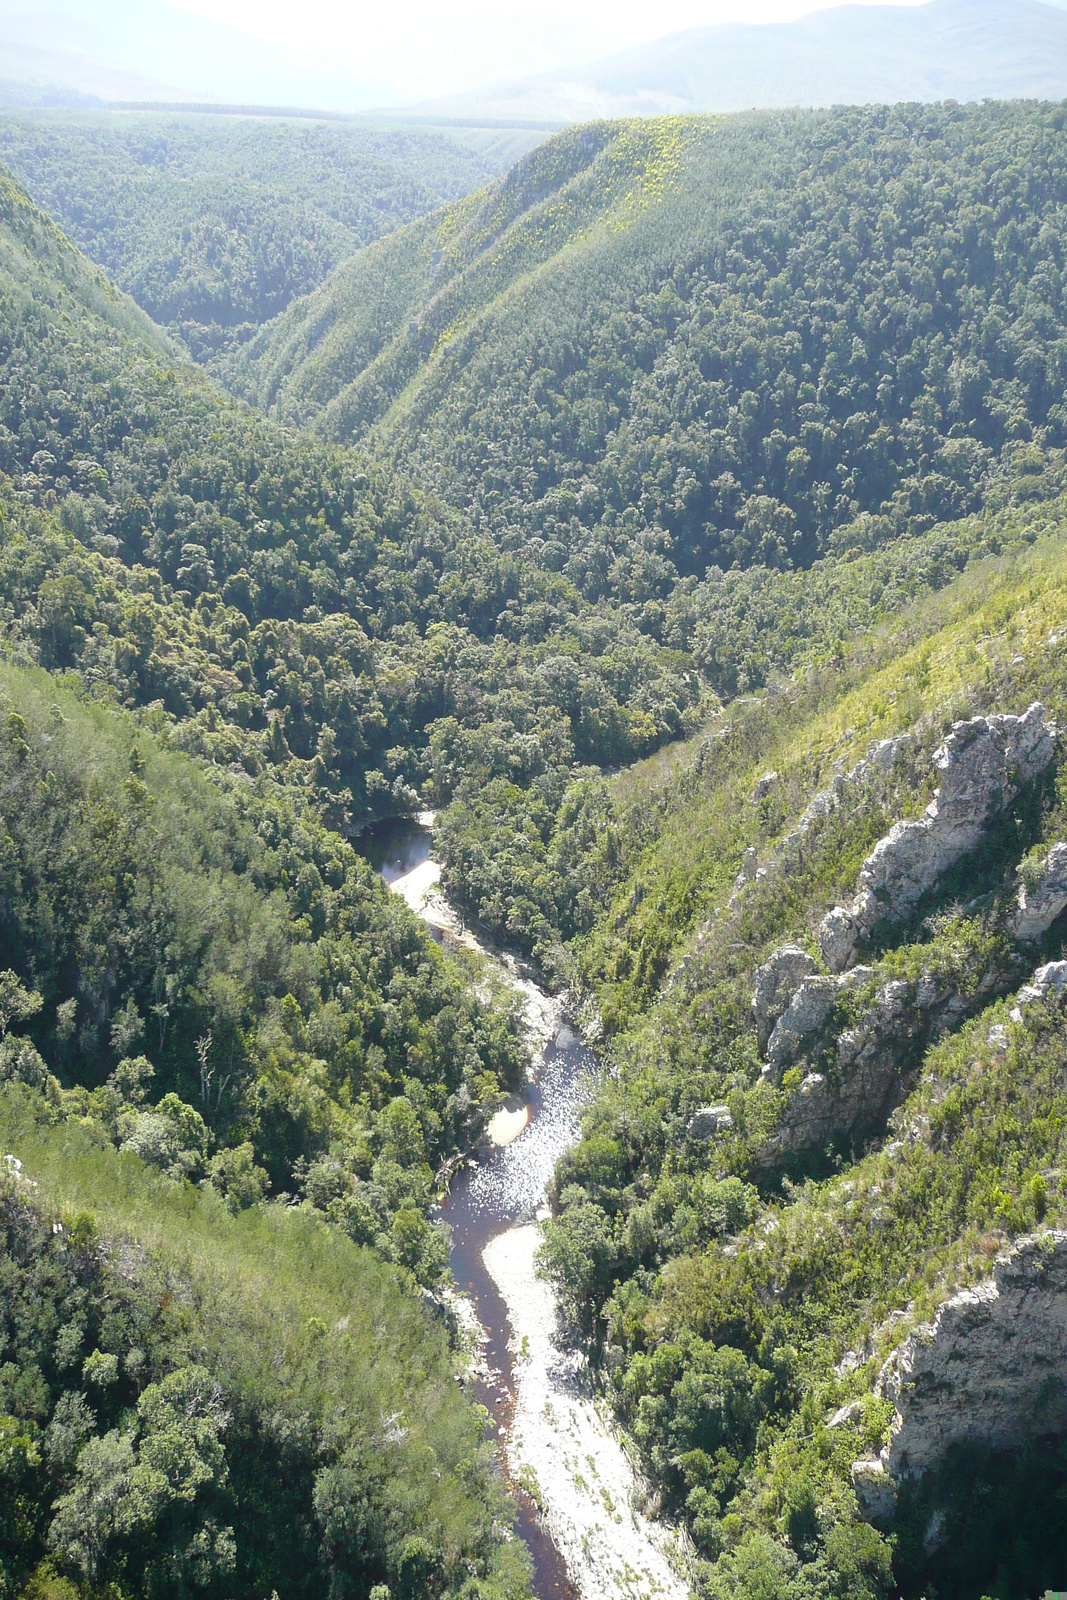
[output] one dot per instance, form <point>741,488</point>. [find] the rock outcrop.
<point>1051,979</point>
<point>799,1028</point>
<point>1041,903</point>
<point>707,1122</point>
<point>777,981</point>
<point>852,1078</point>
<point>984,765</point>
<point>991,1369</point>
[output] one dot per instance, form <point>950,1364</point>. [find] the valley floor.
<point>562,1437</point>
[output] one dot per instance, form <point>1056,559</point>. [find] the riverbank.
<point>561,1438</point>
<point>576,1489</point>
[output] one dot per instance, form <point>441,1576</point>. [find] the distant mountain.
<point>850,55</point>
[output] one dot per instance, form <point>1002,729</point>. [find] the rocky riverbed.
<point>578,1494</point>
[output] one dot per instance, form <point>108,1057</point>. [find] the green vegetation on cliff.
<point>214,224</point>
<point>739,1293</point>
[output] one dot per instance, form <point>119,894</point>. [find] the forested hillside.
<point>659,345</point>
<point>282,602</point>
<point>755,1219</point>
<point>214,224</point>
<point>685,515</point>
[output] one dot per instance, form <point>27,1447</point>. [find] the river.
<point>575,1491</point>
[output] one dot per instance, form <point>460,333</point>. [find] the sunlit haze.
<point>419,48</point>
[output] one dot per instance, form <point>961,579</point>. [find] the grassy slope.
<point>393,327</point>
<point>900,1222</point>
<point>36,255</point>
<point>288,1314</point>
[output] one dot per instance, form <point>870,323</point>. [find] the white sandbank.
<point>560,1434</point>
<point>507,1124</point>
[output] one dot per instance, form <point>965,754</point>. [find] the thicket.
<point>214,224</point>
<point>720,1293</point>
<point>223,986</point>
<point>198,1403</point>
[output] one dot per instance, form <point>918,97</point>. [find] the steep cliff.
<point>991,1368</point>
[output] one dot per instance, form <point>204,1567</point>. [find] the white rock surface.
<point>1040,906</point>
<point>708,1122</point>
<point>564,1438</point>
<point>984,764</point>
<point>990,1369</point>
<point>777,981</point>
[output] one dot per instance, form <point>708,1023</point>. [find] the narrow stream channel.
<point>494,1192</point>
<point>491,1202</point>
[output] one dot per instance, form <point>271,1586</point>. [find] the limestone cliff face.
<point>984,764</point>
<point>990,1369</point>
<point>855,1076</point>
<point>1040,903</point>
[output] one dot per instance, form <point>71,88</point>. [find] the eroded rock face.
<point>868,1061</point>
<point>802,1021</point>
<point>777,981</point>
<point>708,1122</point>
<point>1041,905</point>
<point>991,1369</point>
<point>984,765</point>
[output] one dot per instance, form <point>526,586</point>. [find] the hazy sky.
<point>425,48</point>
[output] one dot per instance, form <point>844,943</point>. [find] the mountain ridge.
<point>848,55</point>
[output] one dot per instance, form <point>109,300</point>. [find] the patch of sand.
<point>588,1487</point>
<point>508,1123</point>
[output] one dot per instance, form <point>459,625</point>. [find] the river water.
<point>534,1389</point>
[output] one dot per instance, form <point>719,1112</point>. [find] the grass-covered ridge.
<point>200,1402</point>
<point>224,986</point>
<point>722,1286</point>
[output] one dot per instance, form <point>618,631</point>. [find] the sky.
<point>415,49</point>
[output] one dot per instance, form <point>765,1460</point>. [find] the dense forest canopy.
<point>285,601</point>
<point>214,224</point>
<point>615,509</point>
<point>676,343</point>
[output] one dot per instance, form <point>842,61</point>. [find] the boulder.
<point>984,765</point>
<point>709,1121</point>
<point>1051,979</point>
<point>875,1490</point>
<point>1040,905</point>
<point>803,1019</point>
<point>990,1369</point>
<point>839,934</point>
<point>777,981</point>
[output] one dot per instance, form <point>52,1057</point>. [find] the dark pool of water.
<point>395,847</point>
